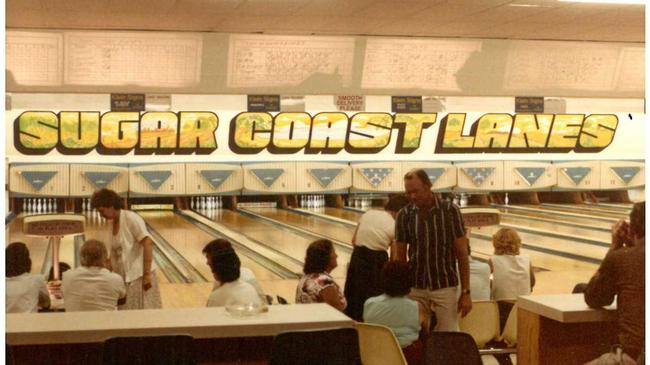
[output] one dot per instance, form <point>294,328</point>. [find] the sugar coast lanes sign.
<point>194,132</point>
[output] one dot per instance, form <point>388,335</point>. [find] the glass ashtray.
<point>246,310</point>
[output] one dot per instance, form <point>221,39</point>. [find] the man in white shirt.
<point>91,287</point>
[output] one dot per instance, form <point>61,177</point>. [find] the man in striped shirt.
<point>433,231</point>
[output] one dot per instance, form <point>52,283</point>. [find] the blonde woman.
<point>512,273</point>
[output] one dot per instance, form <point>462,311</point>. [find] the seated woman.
<point>317,285</point>
<point>24,292</point>
<point>225,266</point>
<point>245,273</point>
<point>512,273</point>
<point>394,310</point>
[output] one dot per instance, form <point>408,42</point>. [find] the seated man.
<point>91,287</point>
<point>622,274</point>
<point>230,288</point>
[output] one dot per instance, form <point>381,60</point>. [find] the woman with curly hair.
<point>131,249</point>
<point>317,285</point>
<point>512,273</point>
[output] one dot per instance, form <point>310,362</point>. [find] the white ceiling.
<point>546,19</point>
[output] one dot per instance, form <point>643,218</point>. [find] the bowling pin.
<point>54,206</point>
<point>506,199</point>
<point>463,200</point>
<point>24,205</point>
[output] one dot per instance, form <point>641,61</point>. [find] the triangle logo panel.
<point>375,175</point>
<point>530,174</point>
<point>325,176</point>
<point>155,178</point>
<point>626,173</point>
<point>100,179</point>
<point>38,179</point>
<point>216,177</point>
<point>478,174</point>
<point>267,176</point>
<point>434,173</point>
<point>576,174</point>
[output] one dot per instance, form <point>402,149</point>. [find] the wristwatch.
<point>465,291</point>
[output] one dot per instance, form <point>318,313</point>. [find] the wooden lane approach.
<point>77,337</point>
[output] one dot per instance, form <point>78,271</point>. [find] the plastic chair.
<point>334,346</point>
<point>159,350</point>
<point>458,348</point>
<point>482,322</point>
<point>378,345</point>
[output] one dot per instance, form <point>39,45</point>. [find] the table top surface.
<point>569,308</point>
<point>214,322</point>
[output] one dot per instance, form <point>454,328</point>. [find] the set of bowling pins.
<point>93,214</point>
<point>206,202</point>
<point>360,202</point>
<point>312,201</point>
<point>39,205</point>
<point>461,200</point>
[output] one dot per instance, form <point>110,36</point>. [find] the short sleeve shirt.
<point>376,230</point>
<point>24,293</point>
<point>310,286</point>
<point>430,238</point>
<point>126,248</point>
<point>92,289</point>
<point>235,292</point>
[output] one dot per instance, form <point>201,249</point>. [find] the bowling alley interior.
<point>165,157</point>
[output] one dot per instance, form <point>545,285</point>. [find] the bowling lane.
<point>559,221</point>
<point>342,213</point>
<point>543,260</point>
<point>549,261</point>
<point>610,207</point>
<point>536,211</point>
<point>289,243</point>
<point>189,241</point>
<point>559,245</point>
<point>517,221</point>
<point>583,209</point>
<point>337,231</point>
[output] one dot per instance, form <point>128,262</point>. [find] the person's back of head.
<point>106,198</point>
<point>63,267</point>
<point>17,260</point>
<point>93,253</point>
<point>223,260</point>
<point>318,256</point>
<point>637,222</point>
<point>396,278</point>
<point>506,241</point>
<point>396,203</point>
<point>215,246</point>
